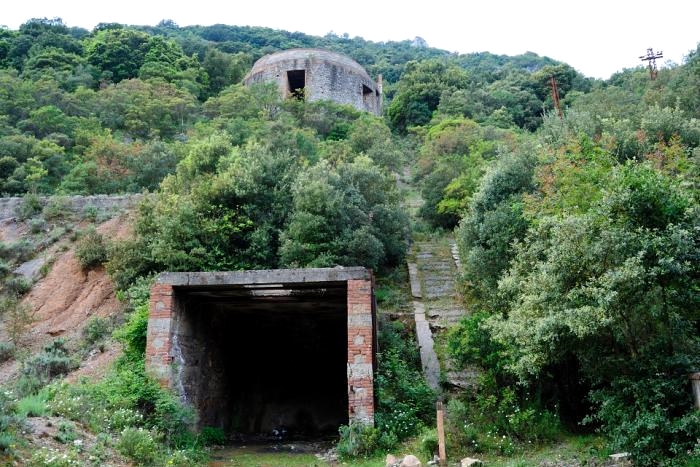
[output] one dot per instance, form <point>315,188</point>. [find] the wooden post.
<point>441,435</point>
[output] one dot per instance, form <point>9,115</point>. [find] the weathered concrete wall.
<point>195,316</point>
<point>328,76</point>
<point>9,206</point>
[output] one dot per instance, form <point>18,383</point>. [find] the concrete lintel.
<point>270,276</point>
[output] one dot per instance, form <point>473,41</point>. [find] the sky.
<point>596,37</point>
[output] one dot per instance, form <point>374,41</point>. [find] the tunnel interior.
<point>261,361</point>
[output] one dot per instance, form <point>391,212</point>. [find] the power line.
<point>651,57</point>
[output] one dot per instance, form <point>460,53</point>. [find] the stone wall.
<point>328,76</point>
<point>77,204</point>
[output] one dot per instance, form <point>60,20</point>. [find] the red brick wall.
<point>360,352</point>
<point>158,343</point>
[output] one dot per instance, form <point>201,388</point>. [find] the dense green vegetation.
<point>579,237</point>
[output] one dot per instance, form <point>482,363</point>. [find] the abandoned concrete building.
<point>258,351</point>
<point>315,74</point>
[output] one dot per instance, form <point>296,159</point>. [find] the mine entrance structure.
<point>269,351</point>
<point>320,74</point>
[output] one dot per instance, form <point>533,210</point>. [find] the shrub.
<point>19,251</point>
<point>429,443</point>
<point>30,205</point>
<point>32,406</point>
<point>7,351</point>
<point>53,361</point>
<point>5,268</point>
<point>7,441</point>
<point>91,250</point>
<point>405,401</point>
<point>56,208</point>
<point>139,445</point>
<point>46,457</point>
<point>37,225</point>
<point>65,433</point>
<point>18,318</point>
<point>357,440</point>
<point>18,285</point>
<point>212,435</point>
<point>96,329</point>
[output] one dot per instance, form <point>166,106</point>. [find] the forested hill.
<point>578,231</point>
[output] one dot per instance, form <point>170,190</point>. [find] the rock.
<point>470,462</point>
<point>391,461</point>
<point>410,461</point>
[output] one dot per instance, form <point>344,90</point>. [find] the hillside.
<point>575,300</point>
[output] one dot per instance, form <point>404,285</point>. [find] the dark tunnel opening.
<point>264,362</point>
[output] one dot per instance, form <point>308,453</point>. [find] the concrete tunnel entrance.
<point>263,352</point>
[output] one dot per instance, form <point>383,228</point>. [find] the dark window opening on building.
<point>366,90</point>
<point>296,80</point>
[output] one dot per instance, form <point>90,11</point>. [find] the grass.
<point>570,447</point>
<point>251,456</point>
<point>32,406</point>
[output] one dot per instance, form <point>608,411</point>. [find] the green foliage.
<point>47,457</point>
<point>357,440</point>
<point>649,415</point>
<point>493,222</point>
<point>17,285</point>
<point>54,360</point>
<point>7,351</point>
<point>212,436</point>
<point>133,333</point>
<point>65,433</point>
<point>32,406</point>
<point>17,316</point>
<point>91,250</point>
<point>96,329</point>
<point>405,403</point>
<point>138,445</point>
<point>29,207</point>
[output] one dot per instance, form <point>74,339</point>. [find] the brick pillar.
<point>360,352</point>
<point>158,344</point>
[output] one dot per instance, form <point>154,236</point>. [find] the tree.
<point>614,287</point>
<point>118,53</point>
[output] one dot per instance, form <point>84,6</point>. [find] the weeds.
<point>32,406</point>
<point>91,250</point>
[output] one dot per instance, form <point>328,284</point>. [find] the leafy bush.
<point>29,206</point>
<point>651,417</point>
<point>357,440</point>
<point>91,250</point>
<point>18,317</point>
<point>65,433</point>
<point>405,403</point>
<point>49,457</point>
<point>17,285</point>
<point>7,441</point>
<point>37,225</point>
<point>212,435</point>
<point>7,351</point>
<point>56,208</point>
<point>96,329</point>
<point>32,406</point>
<point>53,361</point>
<point>138,445</point>
<point>19,251</point>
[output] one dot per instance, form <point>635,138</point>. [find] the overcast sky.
<point>597,37</point>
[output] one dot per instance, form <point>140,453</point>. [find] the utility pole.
<point>651,57</point>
